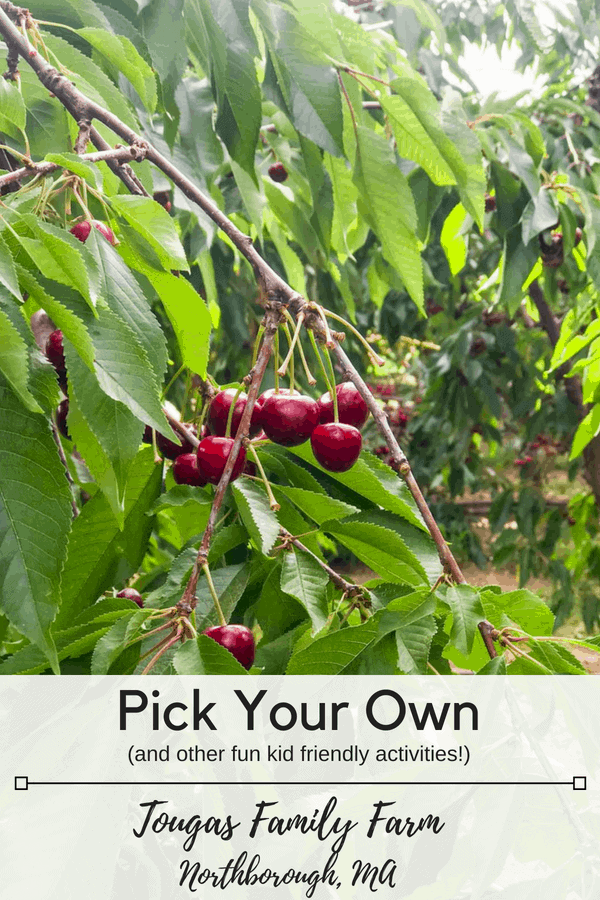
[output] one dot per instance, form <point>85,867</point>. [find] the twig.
<point>63,460</point>
<point>348,587</point>
<point>271,321</point>
<point>46,168</point>
<point>486,630</point>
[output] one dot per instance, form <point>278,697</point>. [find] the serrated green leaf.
<point>496,666</point>
<point>57,257</point>
<point>12,107</point>
<point>318,507</point>
<point>373,480</point>
<point>523,608</point>
<point>155,225</point>
<point>8,272</point>
<point>106,433</point>
<point>100,555</point>
<point>305,77</point>
<point>70,644</point>
<point>412,137</point>
<point>124,296</point>
<point>119,51</point>
<point>111,645</point>
<point>14,362</point>
<point>180,495</point>
<point>275,611</point>
<point>82,167</point>
<point>189,316</point>
<point>259,519</point>
<point>379,548</point>
<point>226,539</point>
<point>390,210</point>
<point>35,518</point>
<point>331,654</point>
<point>303,578</point>
<point>467,612</point>
<point>205,657</point>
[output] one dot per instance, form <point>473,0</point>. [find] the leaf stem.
<point>213,593</point>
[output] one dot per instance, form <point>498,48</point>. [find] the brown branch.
<point>180,428</point>
<point>271,322</point>
<point>348,587</point>
<point>487,630</point>
<point>46,168</point>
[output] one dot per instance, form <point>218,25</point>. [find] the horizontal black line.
<point>306,783</point>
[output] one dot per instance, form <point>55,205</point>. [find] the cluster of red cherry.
<point>286,418</point>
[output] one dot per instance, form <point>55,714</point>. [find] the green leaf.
<point>305,77</point>
<point>276,611</point>
<point>517,262</point>
<point>70,644</point>
<point>318,507</point>
<point>389,208</point>
<point>453,239</point>
<point>412,137</point>
<point>205,657</point>
<point>373,480</point>
<point>124,372</point>
<point>380,549</point>
<point>12,107</point>
<point>8,273</point>
<point>587,430</point>
<point>257,516</point>
<point>467,612</point>
<point>189,316</point>
<point>496,666</point>
<point>111,645</point>
<point>106,433</point>
<point>303,578</point>
<point>155,225</point>
<point>100,554</point>
<point>123,295</point>
<point>226,539</point>
<point>539,214</point>
<point>82,167</point>
<point>14,362</point>
<point>35,518</point>
<point>524,608</point>
<point>331,654</point>
<point>119,51</point>
<point>60,257</point>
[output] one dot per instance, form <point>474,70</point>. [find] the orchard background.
<point>311,187</point>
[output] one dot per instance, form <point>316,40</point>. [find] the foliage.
<point>383,210</point>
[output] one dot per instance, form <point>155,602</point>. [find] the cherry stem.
<point>259,337</point>
<point>334,398</point>
<point>317,352</point>
<point>309,375</point>
<point>213,593</point>
<point>145,634</point>
<point>172,381</point>
<point>272,501</point>
<point>374,357</point>
<point>231,411</point>
<point>289,360</point>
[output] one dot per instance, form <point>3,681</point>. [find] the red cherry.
<point>147,439</point>
<point>212,455</point>
<point>61,419</point>
<point>336,446</point>
<point>55,351</point>
<point>219,411</point>
<point>352,409</point>
<point>185,470</point>
<point>289,420</point>
<point>131,594</point>
<point>238,639</point>
<point>82,231</point>
<point>170,449</point>
<point>278,172</point>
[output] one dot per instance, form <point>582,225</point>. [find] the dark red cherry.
<point>352,409</point>
<point>219,411</point>
<point>131,594</point>
<point>238,639</point>
<point>336,446</point>
<point>212,455</point>
<point>289,420</point>
<point>61,419</point>
<point>147,439</point>
<point>170,449</point>
<point>55,351</point>
<point>82,231</point>
<point>278,172</point>
<point>185,470</point>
